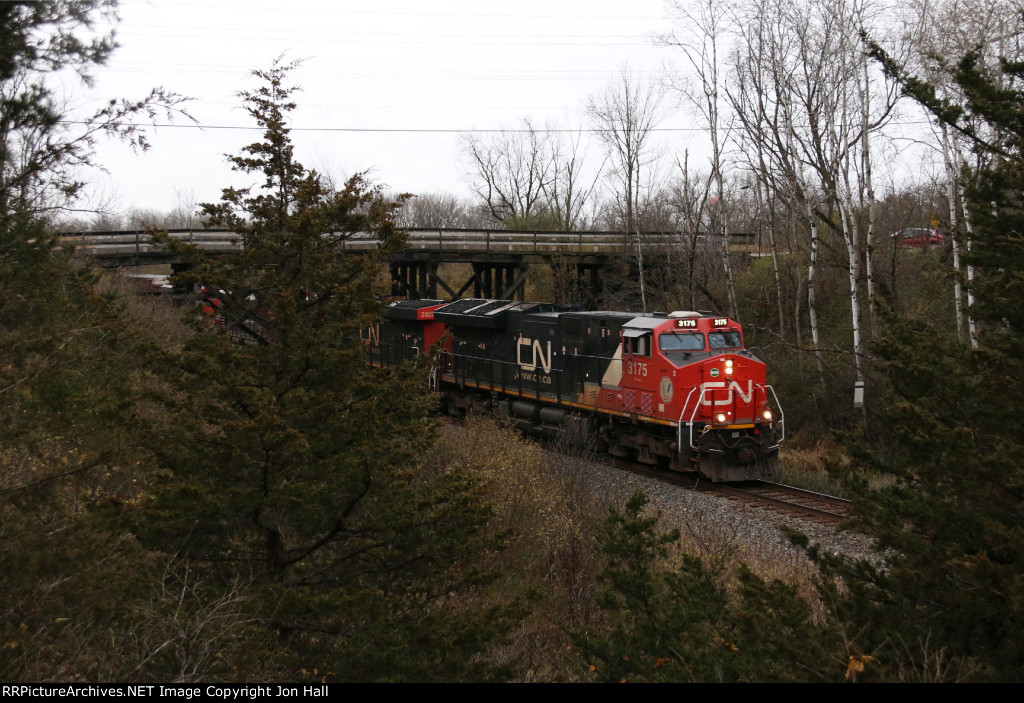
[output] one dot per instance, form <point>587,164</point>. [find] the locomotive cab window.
<point>675,341</point>
<point>725,339</point>
<point>636,342</point>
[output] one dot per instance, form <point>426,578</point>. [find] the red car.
<point>918,238</point>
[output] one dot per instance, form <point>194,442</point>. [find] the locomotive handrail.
<point>505,365</point>
<point>782,414</point>
<point>679,423</point>
<point>696,407</point>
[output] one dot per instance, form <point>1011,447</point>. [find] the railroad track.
<point>789,500</point>
<point>776,497</point>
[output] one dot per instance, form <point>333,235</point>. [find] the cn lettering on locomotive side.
<point>538,355</point>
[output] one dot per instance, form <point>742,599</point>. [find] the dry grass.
<point>551,508</point>
<point>156,318</point>
<point>547,519</point>
<point>803,464</point>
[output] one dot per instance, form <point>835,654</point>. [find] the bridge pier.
<point>418,279</point>
<point>592,289</point>
<point>414,280</point>
<point>499,280</point>
<point>579,282</point>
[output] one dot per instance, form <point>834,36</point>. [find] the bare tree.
<point>756,69</point>
<point>771,89</point>
<point>571,186</point>
<point>812,106</point>
<point>701,29</point>
<point>185,214</point>
<point>625,116</point>
<point>691,196</point>
<point>511,171</point>
<point>440,210</point>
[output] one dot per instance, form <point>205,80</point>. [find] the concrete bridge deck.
<point>114,248</point>
<point>499,258</point>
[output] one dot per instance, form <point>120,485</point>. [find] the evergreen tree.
<point>946,601</point>
<point>292,462</point>
<point>670,618</point>
<point>50,317</point>
<point>77,591</point>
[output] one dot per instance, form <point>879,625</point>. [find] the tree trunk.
<point>952,178</point>
<point>850,237</point>
<point>972,329</point>
<point>812,310</point>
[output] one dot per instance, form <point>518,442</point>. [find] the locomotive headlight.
<point>728,367</point>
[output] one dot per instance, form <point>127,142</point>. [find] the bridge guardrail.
<point>139,243</point>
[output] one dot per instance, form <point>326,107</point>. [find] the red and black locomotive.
<point>676,390</point>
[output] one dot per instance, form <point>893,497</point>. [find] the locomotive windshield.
<point>675,341</point>
<point>726,339</point>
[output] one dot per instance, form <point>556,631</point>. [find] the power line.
<point>276,9</point>
<point>380,76</point>
<point>343,35</point>
<point>376,42</point>
<point>398,130</point>
<point>424,130</point>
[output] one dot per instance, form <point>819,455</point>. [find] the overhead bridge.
<point>499,259</point>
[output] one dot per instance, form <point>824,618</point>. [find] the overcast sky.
<point>426,69</point>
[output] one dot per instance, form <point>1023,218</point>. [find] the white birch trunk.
<point>812,309</point>
<point>640,263</point>
<point>869,189</point>
<point>850,237</point>
<point>972,329</point>
<point>716,165</point>
<point>775,260</point>
<point>952,178</point>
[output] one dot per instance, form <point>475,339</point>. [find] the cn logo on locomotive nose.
<point>710,387</point>
<point>538,355</point>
